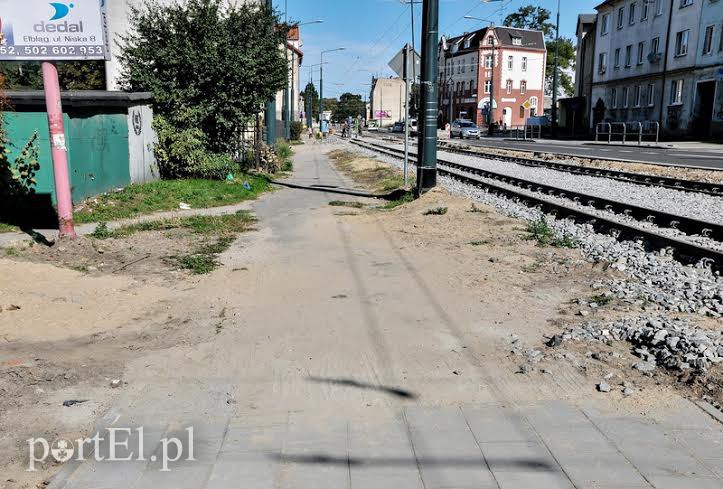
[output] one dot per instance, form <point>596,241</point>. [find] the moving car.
<point>398,127</point>
<point>464,129</point>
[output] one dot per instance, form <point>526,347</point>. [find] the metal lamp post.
<point>321,81</point>
<point>270,113</point>
<point>555,74</point>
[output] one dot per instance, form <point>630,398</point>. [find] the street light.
<point>321,81</point>
<point>491,111</point>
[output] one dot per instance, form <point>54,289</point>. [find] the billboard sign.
<point>382,114</point>
<point>52,30</point>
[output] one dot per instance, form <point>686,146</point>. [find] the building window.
<point>641,52</point>
<point>708,39</point>
<point>617,58</point>
<point>524,63</point>
<point>659,7</point>
<point>488,86</point>
<point>510,62</point>
<point>651,95</point>
<point>523,87</point>
<point>533,102</point>
<point>614,98</point>
<point>490,40</point>
<point>472,87</point>
<point>637,95</point>
<point>522,111</point>
<point>644,10</point>
<point>685,3</point>
<point>676,92</point>
<point>681,42</point>
<point>605,24</point>
<point>655,45</point>
<point>509,87</point>
<point>602,63</point>
<point>631,14</point>
<point>517,41</point>
<point>625,97</point>
<point>628,55</point>
<point>488,61</point>
<point>464,66</point>
<point>621,17</point>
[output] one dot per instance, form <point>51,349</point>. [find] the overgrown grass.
<point>205,259</point>
<point>346,203</point>
<point>541,232</point>
<point>206,225</point>
<point>286,156</point>
<point>380,178</point>
<point>437,211</point>
<point>7,228</point>
<point>476,210</point>
<point>166,195</point>
<point>602,299</point>
<point>405,199</point>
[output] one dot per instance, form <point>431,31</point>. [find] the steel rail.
<point>684,251</point>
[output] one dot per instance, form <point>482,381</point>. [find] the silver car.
<point>464,129</point>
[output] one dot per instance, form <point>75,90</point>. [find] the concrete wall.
<point>388,96</point>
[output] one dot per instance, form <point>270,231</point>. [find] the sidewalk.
<point>353,357</point>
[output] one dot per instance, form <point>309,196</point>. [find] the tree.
<point>566,61</point>
<point>350,105</point>
<point>536,18</point>
<point>210,66</point>
<point>73,75</point>
<point>311,90</point>
<point>532,17</point>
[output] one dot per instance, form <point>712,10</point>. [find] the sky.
<point>373,31</point>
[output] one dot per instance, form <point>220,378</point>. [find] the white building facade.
<point>648,64</point>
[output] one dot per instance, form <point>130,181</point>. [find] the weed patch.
<point>541,232</point>
<point>438,211</point>
<point>479,243</point>
<point>393,204</point>
<point>346,203</point>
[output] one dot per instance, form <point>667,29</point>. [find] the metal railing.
<point>527,131</point>
<point>622,131</point>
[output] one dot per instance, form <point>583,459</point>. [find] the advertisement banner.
<point>382,114</point>
<point>46,30</point>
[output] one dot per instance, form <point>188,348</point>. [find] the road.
<point>354,351</point>
<point>684,154</point>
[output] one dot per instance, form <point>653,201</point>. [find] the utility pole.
<point>555,75</point>
<point>427,159</point>
<point>58,150</point>
<point>321,82</point>
<point>270,113</point>
<point>406,114</point>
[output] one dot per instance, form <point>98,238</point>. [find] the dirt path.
<point>326,315</point>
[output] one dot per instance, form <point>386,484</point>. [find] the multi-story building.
<point>509,62</point>
<point>387,101</point>
<point>650,66</point>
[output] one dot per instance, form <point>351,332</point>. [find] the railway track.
<point>528,193</point>
<point>708,188</point>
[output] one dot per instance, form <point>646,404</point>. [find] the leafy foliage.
<point>210,67</point>
<point>297,128</point>
<point>73,75</point>
<point>17,176</point>
<point>349,105</point>
<point>537,18</point>
<point>311,90</point>
<point>531,17</point>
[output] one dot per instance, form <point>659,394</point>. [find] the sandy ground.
<point>392,298</point>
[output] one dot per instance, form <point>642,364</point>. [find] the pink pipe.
<point>59,150</point>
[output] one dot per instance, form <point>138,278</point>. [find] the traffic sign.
<point>47,30</point>
<point>397,63</point>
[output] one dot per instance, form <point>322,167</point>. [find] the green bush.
<point>182,153</point>
<point>285,153</point>
<point>296,129</point>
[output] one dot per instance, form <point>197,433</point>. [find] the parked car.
<point>398,127</point>
<point>372,125</point>
<point>464,130</point>
<point>413,128</point>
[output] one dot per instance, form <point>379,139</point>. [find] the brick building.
<point>508,61</point>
